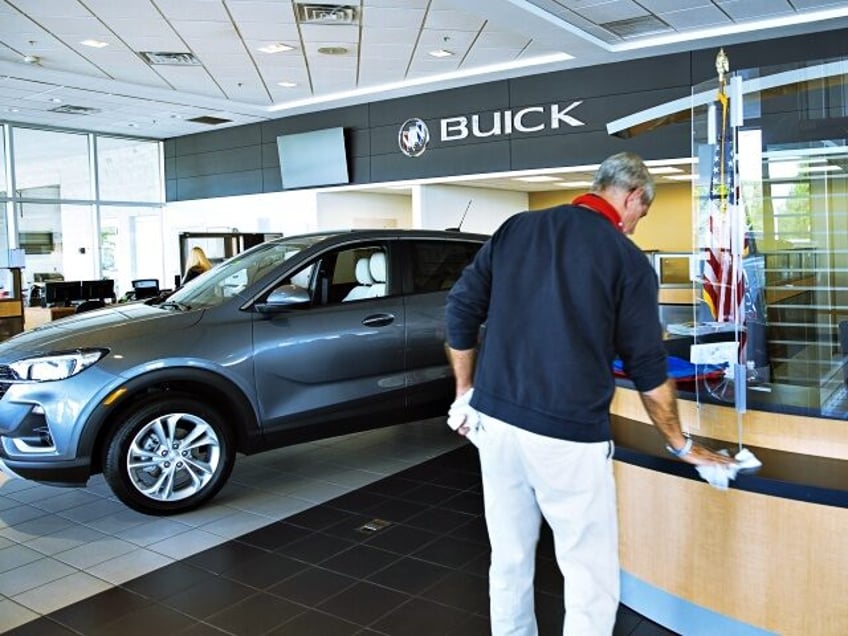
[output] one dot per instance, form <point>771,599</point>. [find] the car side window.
<point>345,275</point>
<point>437,265</point>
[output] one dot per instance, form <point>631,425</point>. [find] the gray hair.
<point>627,171</point>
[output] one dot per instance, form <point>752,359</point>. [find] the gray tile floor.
<point>59,546</point>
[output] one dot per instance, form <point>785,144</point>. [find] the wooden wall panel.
<point>778,564</point>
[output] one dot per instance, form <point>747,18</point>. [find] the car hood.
<point>99,328</point>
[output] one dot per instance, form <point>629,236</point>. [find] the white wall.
<point>337,210</point>
<point>283,212</point>
<point>437,207</point>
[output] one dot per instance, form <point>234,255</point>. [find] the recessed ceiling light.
<point>132,124</point>
<point>277,47</point>
<point>681,177</point>
<point>95,44</point>
<point>56,100</point>
<point>441,53</point>
<point>664,170</point>
<point>287,84</point>
<point>575,184</point>
<point>537,179</point>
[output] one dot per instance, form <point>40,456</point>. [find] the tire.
<point>171,454</point>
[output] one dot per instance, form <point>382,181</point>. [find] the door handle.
<point>378,320</point>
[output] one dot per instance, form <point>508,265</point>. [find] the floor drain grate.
<point>374,525</point>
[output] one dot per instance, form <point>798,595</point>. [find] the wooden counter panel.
<point>678,296</point>
<point>792,433</point>
<point>11,308</point>
<point>778,564</point>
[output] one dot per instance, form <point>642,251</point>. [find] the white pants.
<point>525,476</point>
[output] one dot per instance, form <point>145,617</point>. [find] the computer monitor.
<point>98,289</point>
<point>62,293</point>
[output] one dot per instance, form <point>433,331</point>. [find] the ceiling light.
<point>31,59</point>
<point>95,44</point>
<point>441,53</point>
<point>664,170</point>
<point>575,184</point>
<point>427,80</point>
<point>681,177</point>
<point>537,179</point>
<point>277,47</point>
<point>829,168</point>
<point>287,84</point>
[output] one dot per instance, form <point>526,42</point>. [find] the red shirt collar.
<point>600,205</point>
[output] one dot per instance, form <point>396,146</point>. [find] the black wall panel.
<point>219,185</point>
<point>438,162</point>
<point>244,160</point>
<point>456,101</point>
<point>604,80</point>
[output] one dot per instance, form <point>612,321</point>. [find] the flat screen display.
<point>314,158</point>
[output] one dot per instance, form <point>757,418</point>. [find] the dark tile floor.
<point>331,570</point>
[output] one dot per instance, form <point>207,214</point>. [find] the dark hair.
<point>627,171</point>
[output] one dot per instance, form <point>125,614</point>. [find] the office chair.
<point>145,288</point>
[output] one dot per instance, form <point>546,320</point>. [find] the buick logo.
<point>413,137</point>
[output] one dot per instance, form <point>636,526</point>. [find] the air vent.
<point>326,14</point>
<point>636,27</point>
<point>68,109</point>
<point>207,119</point>
<point>159,58</point>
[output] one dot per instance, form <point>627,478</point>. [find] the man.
<point>561,292</point>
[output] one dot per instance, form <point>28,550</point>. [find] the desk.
<point>61,312</point>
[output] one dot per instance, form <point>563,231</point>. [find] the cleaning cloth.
<point>461,413</point>
<point>720,476</point>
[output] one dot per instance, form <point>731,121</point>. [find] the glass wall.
<point>80,206</point>
<point>786,240</point>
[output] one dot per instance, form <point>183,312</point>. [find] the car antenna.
<point>457,228</point>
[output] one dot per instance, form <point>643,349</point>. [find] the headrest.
<point>378,267</point>
<point>363,272</point>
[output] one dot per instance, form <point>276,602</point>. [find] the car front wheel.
<point>170,455</point>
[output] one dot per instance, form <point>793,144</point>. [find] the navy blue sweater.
<point>561,292</point>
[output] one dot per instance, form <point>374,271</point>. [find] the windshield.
<point>236,274</point>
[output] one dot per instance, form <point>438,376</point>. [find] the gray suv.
<point>296,339</point>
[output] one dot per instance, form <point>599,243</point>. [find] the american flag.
<point>724,287</point>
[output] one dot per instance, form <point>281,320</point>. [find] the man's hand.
<point>702,456</point>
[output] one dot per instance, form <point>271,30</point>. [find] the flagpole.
<point>737,249</point>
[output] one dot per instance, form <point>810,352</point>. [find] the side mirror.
<point>283,297</point>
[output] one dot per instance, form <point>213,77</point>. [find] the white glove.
<point>462,414</point>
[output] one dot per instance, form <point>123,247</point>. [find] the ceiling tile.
<point>739,10</point>
<point>695,18</point>
<point>612,11</point>
<point>380,18</point>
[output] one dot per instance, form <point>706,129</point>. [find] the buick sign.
<point>413,137</point>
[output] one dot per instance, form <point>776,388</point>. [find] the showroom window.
<point>51,165</point>
<point>79,206</point>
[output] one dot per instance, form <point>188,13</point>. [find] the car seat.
<point>363,279</point>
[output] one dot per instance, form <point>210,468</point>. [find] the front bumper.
<point>64,473</point>
<point>42,427</point>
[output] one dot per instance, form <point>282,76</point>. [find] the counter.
<point>767,556</point>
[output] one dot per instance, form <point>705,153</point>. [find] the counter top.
<point>783,474</point>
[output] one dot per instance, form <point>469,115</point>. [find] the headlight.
<point>57,366</point>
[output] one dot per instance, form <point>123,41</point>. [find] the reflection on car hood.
<point>99,328</point>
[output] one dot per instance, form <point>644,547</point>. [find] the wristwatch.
<point>683,450</point>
